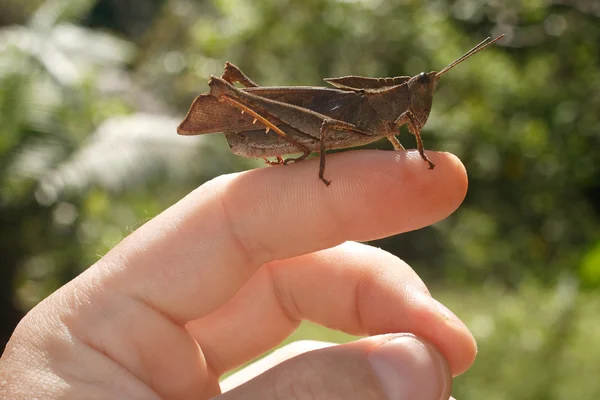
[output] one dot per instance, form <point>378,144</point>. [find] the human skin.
<point>231,270</point>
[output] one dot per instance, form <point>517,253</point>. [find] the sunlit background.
<point>91,93</point>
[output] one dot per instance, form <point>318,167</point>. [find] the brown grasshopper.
<point>305,119</point>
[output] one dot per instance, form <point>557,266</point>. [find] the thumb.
<point>379,368</point>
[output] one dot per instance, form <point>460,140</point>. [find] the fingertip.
<point>395,177</point>
<point>377,176</point>
<point>456,343</point>
<point>449,176</point>
<point>459,173</point>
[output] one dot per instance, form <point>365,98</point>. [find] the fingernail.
<point>411,369</point>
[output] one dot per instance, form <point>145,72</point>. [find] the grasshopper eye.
<point>423,78</point>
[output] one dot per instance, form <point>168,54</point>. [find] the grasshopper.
<point>357,111</point>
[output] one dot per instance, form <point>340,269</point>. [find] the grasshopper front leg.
<point>414,127</point>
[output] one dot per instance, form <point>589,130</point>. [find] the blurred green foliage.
<point>91,93</point>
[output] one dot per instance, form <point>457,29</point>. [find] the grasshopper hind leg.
<point>327,127</point>
<point>223,91</point>
<point>297,159</point>
<point>233,74</point>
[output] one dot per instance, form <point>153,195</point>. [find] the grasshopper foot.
<point>278,162</point>
<point>428,161</point>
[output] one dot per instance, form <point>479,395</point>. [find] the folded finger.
<point>353,288</point>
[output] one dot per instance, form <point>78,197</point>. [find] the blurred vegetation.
<point>91,93</point>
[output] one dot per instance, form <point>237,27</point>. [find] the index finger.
<point>193,257</point>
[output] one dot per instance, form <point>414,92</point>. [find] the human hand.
<point>229,271</point>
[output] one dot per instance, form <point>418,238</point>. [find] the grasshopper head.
<point>421,88</point>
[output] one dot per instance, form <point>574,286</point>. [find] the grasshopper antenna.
<point>468,54</point>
